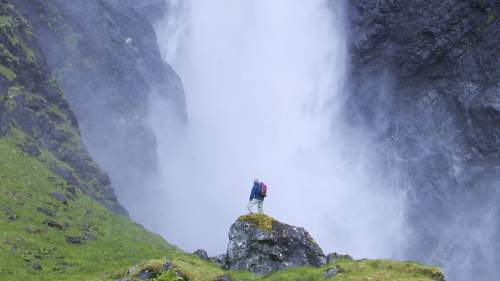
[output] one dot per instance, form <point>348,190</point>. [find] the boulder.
<point>45,211</point>
<point>73,239</point>
<point>260,244</point>
<point>220,260</point>
<point>55,224</point>
<point>331,257</point>
<point>330,273</point>
<point>201,253</point>
<point>59,197</point>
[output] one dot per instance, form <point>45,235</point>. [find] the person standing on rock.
<point>257,196</point>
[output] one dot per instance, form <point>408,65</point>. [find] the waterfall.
<point>264,84</point>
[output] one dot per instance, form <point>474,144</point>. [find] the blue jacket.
<point>256,192</point>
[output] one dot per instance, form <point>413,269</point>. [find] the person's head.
<point>255,180</point>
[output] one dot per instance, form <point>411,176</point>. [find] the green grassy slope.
<point>32,250</point>
<point>348,270</point>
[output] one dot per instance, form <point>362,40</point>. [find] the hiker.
<point>257,195</point>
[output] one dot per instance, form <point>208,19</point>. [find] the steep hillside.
<point>32,102</point>
<point>59,217</point>
<point>52,231</point>
<point>106,58</point>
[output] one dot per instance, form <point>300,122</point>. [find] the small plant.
<point>169,275</point>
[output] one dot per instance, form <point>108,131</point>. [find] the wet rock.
<point>330,273</point>
<point>201,253</point>
<point>45,211</point>
<point>260,244</point>
<point>73,239</point>
<point>431,71</point>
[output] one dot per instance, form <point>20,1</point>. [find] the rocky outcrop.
<point>425,81</point>
<point>34,111</point>
<point>260,244</point>
<point>105,55</point>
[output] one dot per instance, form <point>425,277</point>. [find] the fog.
<point>264,89</point>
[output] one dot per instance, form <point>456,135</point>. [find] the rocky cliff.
<point>59,216</point>
<point>425,80</point>
<point>34,110</point>
<point>106,58</point>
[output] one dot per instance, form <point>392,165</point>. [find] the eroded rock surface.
<point>260,244</point>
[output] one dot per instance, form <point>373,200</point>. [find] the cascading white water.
<point>264,87</point>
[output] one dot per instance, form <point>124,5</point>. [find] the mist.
<point>264,86</point>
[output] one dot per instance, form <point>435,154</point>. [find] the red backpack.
<point>263,189</point>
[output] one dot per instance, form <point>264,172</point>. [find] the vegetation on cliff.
<point>51,231</point>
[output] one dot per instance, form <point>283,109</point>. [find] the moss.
<point>7,55</point>
<point>14,91</point>
<point>52,82</point>
<point>490,18</point>
<point>7,73</point>
<point>5,21</point>
<point>11,93</point>
<point>29,53</point>
<point>260,220</point>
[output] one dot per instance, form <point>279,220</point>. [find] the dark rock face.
<point>263,248</point>
<point>105,55</point>
<point>425,80</point>
<point>34,111</point>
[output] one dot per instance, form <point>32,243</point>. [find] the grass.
<point>25,185</point>
<point>375,270</point>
